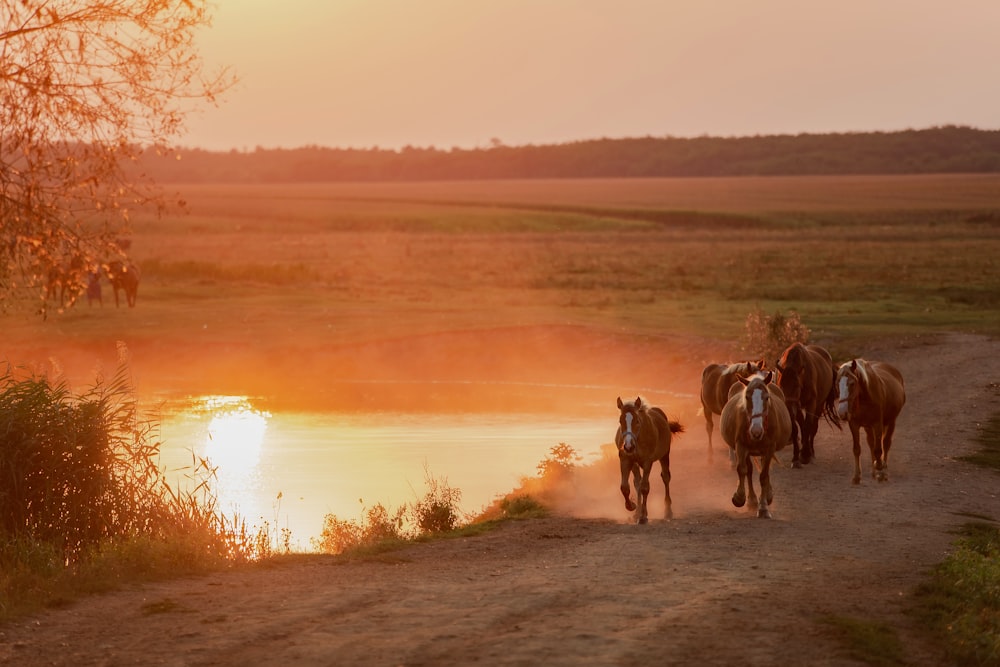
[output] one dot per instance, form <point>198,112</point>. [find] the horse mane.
<point>793,351</point>
<point>861,367</point>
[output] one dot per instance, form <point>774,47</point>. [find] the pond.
<point>292,469</point>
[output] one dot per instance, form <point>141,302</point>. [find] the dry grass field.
<point>277,290</point>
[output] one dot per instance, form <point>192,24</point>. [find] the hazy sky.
<point>446,73</point>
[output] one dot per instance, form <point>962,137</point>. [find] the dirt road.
<point>713,586</point>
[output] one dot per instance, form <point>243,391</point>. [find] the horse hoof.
<point>856,481</point>
<point>739,502</point>
<point>629,505</point>
<point>763,513</point>
<point>643,520</point>
<point>796,464</point>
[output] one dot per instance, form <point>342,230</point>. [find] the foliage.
<point>83,503</point>
<point>85,88</point>
<point>961,602</point>
<point>767,336</point>
<point>933,150</point>
<point>377,525</point>
<point>558,465</point>
<point>437,511</point>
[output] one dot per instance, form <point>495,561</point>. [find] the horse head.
<point>756,399</point>
<point>629,424</point>
<point>790,368</point>
<point>850,378</point>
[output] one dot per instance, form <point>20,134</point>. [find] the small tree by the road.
<point>85,88</point>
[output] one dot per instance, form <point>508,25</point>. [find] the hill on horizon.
<point>945,149</point>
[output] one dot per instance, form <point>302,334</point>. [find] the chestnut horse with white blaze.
<point>643,437</point>
<point>870,395</point>
<point>755,422</point>
<point>716,380</point>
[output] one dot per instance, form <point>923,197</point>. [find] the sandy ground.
<point>713,586</point>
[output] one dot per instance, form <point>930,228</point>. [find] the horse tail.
<point>829,405</point>
<point>675,426</point>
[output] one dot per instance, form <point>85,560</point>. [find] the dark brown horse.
<point>716,380</point>
<point>755,422</point>
<point>805,374</point>
<point>643,437</point>
<point>123,277</point>
<point>870,395</point>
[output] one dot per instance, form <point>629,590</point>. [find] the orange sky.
<point>444,73</point>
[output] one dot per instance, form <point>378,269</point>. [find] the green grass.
<point>870,642</point>
<point>960,603</point>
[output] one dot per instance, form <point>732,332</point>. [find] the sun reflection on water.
<point>233,446</point>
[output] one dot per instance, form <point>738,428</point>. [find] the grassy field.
<point>259,279</point>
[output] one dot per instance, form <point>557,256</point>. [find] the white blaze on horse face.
<point>757,413</point>
<point>843,397</point>
<point>628,437</point>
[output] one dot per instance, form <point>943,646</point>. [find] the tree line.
<point>946,149</point>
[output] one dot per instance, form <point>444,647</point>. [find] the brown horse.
<point>755,422</point>
<point>643,437</point>
<point>870,395</point>
<point>805,374</point>
<point>123,277</point>
<point>716,380</point>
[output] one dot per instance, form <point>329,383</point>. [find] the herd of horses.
<point>761,411</point>
<point>67,284</point>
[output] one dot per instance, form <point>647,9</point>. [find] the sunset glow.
<point>447,73</point>
<point>235,435</point>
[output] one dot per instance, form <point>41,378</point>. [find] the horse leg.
<point>709,427</point>
<point>626,468</point>
<point>795,414</point>
<point>890,428</point>
<point>742,460</point>
<point>644,492</point>
<point>878,453</point>
<point>668,512</point>
<point>809,438</point>
<point>856,438</point>
<point>873,437</point>
<point>766,492</point>
<point>752,499</point>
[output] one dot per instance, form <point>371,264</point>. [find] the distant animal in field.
<point>94,292</point>
<point>123,277</point>
<point>65,282</point>
<point>805,375</point>
<point>755,422</point>
<point>716,380</point>
<point>643,437</point>
<point>870,396</point>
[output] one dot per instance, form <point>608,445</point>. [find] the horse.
<point>870,395</point>
<point>643,436</point>
<point>755,422</point>
<point>805,375</point>
<point>123,277</point>
<point>716,381</point>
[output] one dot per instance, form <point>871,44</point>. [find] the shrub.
<point>437,511</point>
<point>767,336</point>
<point>377,525</point>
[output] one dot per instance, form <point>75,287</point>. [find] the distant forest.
<point>948,149</point>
